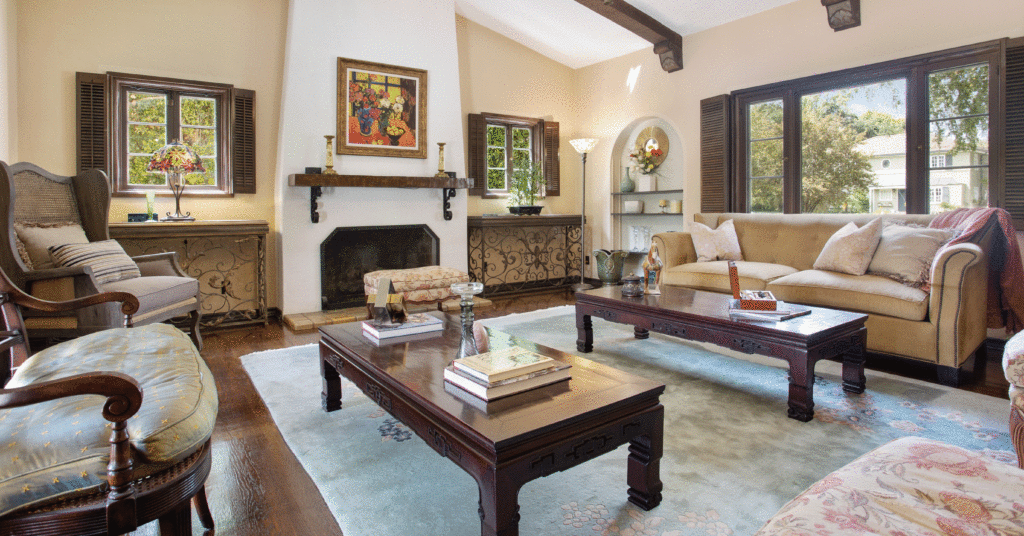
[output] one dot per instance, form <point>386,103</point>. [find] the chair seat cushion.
<point>157,291</point>
<point>866,293</point>
<point>909,486</point>
<point>714,275</point>
<point>61,448</point>
<point>427,283</point>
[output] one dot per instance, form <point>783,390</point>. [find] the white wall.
<point>8,87</point>
<point>788,42</point>
<point>407,33</point>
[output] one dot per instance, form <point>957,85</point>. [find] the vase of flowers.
<point>647,158</point>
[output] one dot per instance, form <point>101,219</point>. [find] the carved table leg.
<point>853,366</point>
<point>330,397</point>
<point>640,333</point>
<point>584,332</point>
<point>801,389</point>
<point>499,506</point>
<point>643,467</point>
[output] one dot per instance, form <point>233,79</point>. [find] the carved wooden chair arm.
<point>129,303</point>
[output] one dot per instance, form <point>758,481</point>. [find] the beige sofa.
<point>943,326</point>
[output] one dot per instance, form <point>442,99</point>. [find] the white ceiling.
<point>573,35</point>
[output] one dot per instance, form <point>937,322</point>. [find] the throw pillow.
<point>716,244</point>
<point>850,249</point>
<point>38,237</point>
<point>905,253</point>
<point>107,259</point>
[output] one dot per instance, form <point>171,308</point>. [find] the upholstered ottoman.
<point>1013,368</point>
<point>911,486</point>
<point>60,449</point>
<point>425,285</point>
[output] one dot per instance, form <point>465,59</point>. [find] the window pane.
<point>495,136</point>
<point>957,188</point>
<point>520,138</point>
<point>496,179</point>
<point>846,136</point>
<point>520,159</point>
<point>958,138</point>
<point>198,111</point>
<point>958,92</point>
<point>766,158</point>
<point>202,140</point>
<point>146,138</point>
<point>495,158</point>
<point>766,195</point>
<point>137,173</point>
<point>765,119</point>
<point>209,177</point>
<point>147,107</point>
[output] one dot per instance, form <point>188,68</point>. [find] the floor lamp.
<point>583,146</point>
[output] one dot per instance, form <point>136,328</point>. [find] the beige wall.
<point>784,43</point>
<point>8,89</point>
<point>501,76</point>
<point>238,42</point>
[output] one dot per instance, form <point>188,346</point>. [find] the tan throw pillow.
<point>107,259</point>
<point>850,249</point>
<point>905,253</point>
<point>38,237</point>
<point>716,244</point>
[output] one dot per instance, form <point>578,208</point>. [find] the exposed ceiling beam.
<point>668,45</point>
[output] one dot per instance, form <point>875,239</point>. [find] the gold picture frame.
<point>382,109</point>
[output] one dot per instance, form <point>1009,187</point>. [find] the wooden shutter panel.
<point>91,115</point>
<point>476,157</point>
<point>243,141</point>
<point>551,162</point>
<point>715,143</point>
<point>1013,200</point>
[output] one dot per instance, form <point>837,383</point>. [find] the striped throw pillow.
<point>107,259</point>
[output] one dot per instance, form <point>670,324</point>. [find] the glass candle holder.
<point>466,291</point>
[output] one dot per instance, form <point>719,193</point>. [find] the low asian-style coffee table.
<point>704,316</point>
<point>510,441</point>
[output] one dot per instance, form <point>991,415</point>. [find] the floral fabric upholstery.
<point>425,284</point>
<point>59,449</point>
<point>911,486</point>
<point>1013,368</point>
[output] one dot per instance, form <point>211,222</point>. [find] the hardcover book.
<point>782,311</point>
<point>503,364</point>
<point>415,323</point>
<point>554,375</point>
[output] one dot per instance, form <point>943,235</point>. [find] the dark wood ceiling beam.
<point>668,45</point>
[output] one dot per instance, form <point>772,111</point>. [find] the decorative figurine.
<point>387,307</point>
<point>652,271</point>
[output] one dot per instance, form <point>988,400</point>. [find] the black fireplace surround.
<point>350,252</point>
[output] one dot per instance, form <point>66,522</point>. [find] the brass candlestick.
<point>330,156</point>
<point>440,161</point>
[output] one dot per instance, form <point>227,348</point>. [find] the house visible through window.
<point>936,194</point>
<point>501,144</point>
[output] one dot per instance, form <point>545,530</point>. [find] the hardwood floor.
<point>257,486</point>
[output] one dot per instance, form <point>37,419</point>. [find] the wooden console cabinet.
<point>512,254</point>
<point>228,257</point>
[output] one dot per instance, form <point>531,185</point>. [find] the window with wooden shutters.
<point>1013,184</point>
<point>500,144</point>
<point>123,119</point>
<point>714,154</point>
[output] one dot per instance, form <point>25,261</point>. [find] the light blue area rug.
<point>732,457</point>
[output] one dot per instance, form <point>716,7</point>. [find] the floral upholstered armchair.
<point>1013,367</point>
<point>56,246</point>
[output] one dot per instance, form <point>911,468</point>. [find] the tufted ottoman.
<point>59,450</point>
<point>1013,368</point>
<point>909,486</point>
<point>424,285</point>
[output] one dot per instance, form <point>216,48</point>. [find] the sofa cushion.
<point>64,447</point>
<point>157,291</point>
<point>865,293</point>
<point>107,259</point>
<point>905,253</point>
<point>38,237</point>
<point>909,486</point>
<point>850,249</point>
<point>716,244</point>
<point>715,275</point>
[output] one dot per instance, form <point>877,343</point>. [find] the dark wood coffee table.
<point>513,440</point>
<point>704,316</point>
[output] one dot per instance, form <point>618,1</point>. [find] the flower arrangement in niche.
<point>647,158</point>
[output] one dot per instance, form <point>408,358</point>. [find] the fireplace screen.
<point>350,252</point>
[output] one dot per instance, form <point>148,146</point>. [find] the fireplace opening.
<point>350,252</point>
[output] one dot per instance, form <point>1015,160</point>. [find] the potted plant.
<point>523,189</point>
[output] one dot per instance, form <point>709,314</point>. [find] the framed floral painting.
<point>382,109</point>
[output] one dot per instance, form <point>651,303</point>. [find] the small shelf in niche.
<point>647,213</point>
<point>651,192</point>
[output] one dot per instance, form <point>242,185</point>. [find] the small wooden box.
<point>752,300</point>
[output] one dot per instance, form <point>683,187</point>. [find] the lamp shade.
<point>583,145</point>
<point>175,158</point>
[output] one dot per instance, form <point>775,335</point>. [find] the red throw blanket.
<point>1005,271</point>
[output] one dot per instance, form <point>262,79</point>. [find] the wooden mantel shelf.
<point>373,181</point>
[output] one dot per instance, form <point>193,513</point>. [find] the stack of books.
<point>414,324</point>
<point>782,311</point>
<point>501,373</point>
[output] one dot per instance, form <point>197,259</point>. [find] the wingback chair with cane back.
<point>55,245</point>
<point>74,463</point>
